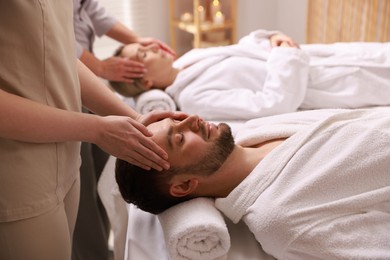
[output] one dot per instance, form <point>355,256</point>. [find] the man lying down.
<point>309,185</point>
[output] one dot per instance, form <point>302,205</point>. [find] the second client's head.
<point>159,70</point>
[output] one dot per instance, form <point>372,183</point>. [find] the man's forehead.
<point>160,128</point>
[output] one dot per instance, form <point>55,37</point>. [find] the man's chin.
<point>224,127</point>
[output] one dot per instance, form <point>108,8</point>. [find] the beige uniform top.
<point>37,55</point>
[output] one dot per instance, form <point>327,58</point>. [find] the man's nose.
<point>192,122</point>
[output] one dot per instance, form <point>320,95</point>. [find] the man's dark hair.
<point>147,189</point>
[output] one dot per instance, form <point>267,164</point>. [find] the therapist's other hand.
<point>121,69</point>
<point>128,139</point>
<point>155,116</point>
<point>281,40</point>
<point>148,40</point>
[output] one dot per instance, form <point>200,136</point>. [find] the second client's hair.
<point>124,88</point>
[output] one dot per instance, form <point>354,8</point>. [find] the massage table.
<point>140,235</point>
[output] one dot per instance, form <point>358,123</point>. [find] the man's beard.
<point>216,156</point>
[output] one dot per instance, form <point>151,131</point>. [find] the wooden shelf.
<point>199,29</point>
<point>204,27</point>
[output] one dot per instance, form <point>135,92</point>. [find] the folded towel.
<point>154,99</point>
<point>195,229</point>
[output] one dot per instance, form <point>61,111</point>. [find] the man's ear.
<point>181,188</point>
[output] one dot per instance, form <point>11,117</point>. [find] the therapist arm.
<point>125,136</point>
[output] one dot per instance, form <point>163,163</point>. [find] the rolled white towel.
<point>195,229</point>
<point>152,100</point>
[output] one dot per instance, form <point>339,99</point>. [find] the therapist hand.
<point>155,116</point>
<point>281,40</point>
<point>121,69</point>
<point>147,41</point>
<point>127,139</point>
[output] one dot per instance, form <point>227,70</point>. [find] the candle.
<point>219,18</point>
<point>186,18</point>
<point>202,13</point>
<point>215,7</point>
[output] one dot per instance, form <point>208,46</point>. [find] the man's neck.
<point>239,165</point>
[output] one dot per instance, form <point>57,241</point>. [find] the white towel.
<point>195,229</point>
<point>152,100</point>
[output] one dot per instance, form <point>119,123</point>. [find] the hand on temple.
<point>147,41</point>
<point>121,69</point>
<point>127,139</point>
<point>155,116</point>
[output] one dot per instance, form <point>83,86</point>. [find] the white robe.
<point>251,79</point>
<point>324,193</point>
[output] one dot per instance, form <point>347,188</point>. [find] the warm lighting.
<point>202,13</point>
<point>215,7</point>
<point>186,18</point>
<point>219,18</point>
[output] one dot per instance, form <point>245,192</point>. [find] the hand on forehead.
<point>130,50</point>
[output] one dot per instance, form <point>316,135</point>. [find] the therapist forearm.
<point>25,120</point>
<point>98,98</point>
<point>122,34</point>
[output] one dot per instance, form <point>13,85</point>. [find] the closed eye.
<point>141,55</point>
<point>178,139</point>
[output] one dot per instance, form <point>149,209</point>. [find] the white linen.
<point>195,229</point>
<point>324,192</point>
<point>145,239</point>
<point>136,234</point>
<point>115,207</point>
<point>152,100</point>
<point>250,79</point>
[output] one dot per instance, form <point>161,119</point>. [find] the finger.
<point>167,48</point>
<point>147,164</point>
<point>156,116</point>
<point>134,68</point>
<point>126,80</point>
<point>140,127</point>
<point>134,64</point>
<point>146,159</point>
<point>291,43</point>
<point>285,44</point>
<point>153,151</point>
<point>179,115</point>
<point>151,155</point>
<point>137,163</point>
<point>131,75</point>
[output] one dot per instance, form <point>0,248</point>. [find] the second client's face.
<point>193,142</point>
<point>157,62</point>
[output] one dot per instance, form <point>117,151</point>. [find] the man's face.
<point>157,62</point>
<point>193,144</point>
